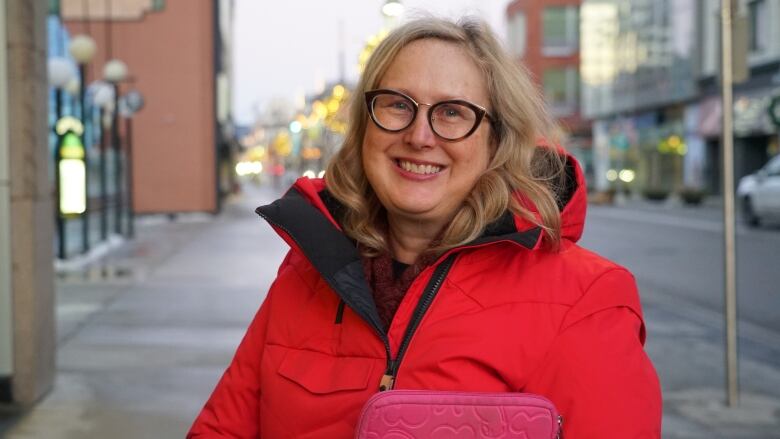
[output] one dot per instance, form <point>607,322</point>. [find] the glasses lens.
<point>452,120</point>
<point>392,112</point>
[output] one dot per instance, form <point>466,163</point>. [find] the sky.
<point>282,49</point>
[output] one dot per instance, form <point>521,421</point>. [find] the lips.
<point>418,168</point>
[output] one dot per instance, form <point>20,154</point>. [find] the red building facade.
<point>544,36</point>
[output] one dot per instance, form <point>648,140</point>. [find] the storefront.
<point>755,136</point>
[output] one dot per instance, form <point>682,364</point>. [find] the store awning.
<point>750,114</point>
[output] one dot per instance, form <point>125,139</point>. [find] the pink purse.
<point>427,414</point>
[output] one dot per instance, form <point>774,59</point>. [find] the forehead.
<point>433,69</point>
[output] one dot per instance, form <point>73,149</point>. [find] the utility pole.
<point>729,224</point>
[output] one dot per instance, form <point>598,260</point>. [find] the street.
<point>678,254</point>
<point>144,335</point>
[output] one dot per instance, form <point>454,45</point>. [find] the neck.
<point>410,238</point>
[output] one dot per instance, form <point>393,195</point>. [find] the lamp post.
<point>60,73</point>
<point>131,103</point>
<point>82,49</point>
<point>103,98</point>
<point>115,71</point>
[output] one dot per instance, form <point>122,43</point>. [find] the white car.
<point>759,193</point>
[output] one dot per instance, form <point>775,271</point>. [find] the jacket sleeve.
<point>596,372</point>
<point>233,410</point>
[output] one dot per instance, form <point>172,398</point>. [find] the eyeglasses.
<point>451,120</point>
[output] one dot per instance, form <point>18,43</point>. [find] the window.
<point>517,34</point>
<point>560,26</point>
<point>158,5</point>
<point>561,88</point>
<point>54,7</point>
<point>758,17</point>
<point>773,167</point>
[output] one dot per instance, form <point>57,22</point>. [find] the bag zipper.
<point>388,379</point>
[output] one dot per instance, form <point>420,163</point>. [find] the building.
<point>755,136</point>
<point>544,36</point>
<point>649,82</point>
<point>178,56</point>
<point>27,330</point>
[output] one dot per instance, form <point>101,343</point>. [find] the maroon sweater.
<point>389,280</point>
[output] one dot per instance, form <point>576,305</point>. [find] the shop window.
<point>560,30</point>
<point>518,30</point>
<point>561,90</point>
<point>758,17</point>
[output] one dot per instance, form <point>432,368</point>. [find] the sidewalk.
<point>145,334</point>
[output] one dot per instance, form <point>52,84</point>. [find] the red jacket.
<point>503,315</point>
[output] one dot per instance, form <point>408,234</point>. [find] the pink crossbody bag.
<point>427,414</point>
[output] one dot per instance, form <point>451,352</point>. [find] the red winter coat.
<point>503,315</point>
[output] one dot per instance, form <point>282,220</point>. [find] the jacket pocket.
<point>322,373</point>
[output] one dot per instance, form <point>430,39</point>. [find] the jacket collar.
<point>306,217</point>
<point>303,224</point>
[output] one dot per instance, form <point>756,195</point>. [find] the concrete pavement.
<point>145,333</point>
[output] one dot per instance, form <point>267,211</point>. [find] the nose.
<point>419,134</point>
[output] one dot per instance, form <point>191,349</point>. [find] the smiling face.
<point>415,174</point>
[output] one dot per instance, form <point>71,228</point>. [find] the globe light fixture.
<point>60,72</point>
<point>115,71</point>
<point>102,94</point>
<point>82,48</point>
<point>393,8</point>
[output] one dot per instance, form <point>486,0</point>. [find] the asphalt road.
<point>676,254</point>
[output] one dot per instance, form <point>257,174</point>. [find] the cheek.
<point>372,142</point>
<point>478,156</point>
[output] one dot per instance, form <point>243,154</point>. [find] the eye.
<point>393,103</point>
<point>450,112</point>
<point>400,105</point>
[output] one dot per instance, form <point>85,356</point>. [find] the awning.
<point>750,114</point>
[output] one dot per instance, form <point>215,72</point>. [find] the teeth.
<point>419,169</point>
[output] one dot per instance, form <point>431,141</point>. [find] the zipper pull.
<point>559,435</point>
<point>386,383</point>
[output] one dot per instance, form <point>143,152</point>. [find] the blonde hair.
<point>518,167</point>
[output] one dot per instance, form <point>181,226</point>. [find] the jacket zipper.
<point>559,434</point>
<point>388,379</point>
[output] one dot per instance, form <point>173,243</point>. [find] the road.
<point>677,253</point>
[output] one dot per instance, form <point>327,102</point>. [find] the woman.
<point>439,253</point>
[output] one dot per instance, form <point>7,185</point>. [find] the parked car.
<point>759,193</point>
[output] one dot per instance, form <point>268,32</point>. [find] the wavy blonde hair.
<point>520,176</point>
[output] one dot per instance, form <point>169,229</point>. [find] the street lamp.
<point>131,103</point>
<point>103,98</point>
<point>60,73</point>
<point>82,48</point>
<point>115,71</point>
